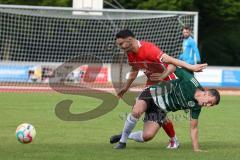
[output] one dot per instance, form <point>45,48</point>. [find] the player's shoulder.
<point>190,39</point>
<point>147,44</point>
<point>149,47</point>
<point>195,82</point>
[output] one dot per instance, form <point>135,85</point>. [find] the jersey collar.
<point>139,44</point>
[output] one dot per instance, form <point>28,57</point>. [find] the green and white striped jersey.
<point>178,94</point>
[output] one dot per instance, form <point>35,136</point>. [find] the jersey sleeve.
<point>195,112</point>
<point>130,60</point>
<point>187,78</point>
<point>196,51</point>
<point>182,74</point>
<point>155,53</point>
<point>181,57</point>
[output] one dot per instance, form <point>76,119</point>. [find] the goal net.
<point>43,45</point>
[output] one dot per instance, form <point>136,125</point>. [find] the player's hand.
<point>121,92</point>
<point>199,67</point>
<point>199,150</point>
<point>156,77</point>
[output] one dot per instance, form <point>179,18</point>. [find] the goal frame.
<point>195,14</point>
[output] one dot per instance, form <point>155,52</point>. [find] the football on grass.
<point>25,133</point>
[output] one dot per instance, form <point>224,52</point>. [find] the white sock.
<point>136,136</point>
<point>130,123</point>
<point>175,138</point>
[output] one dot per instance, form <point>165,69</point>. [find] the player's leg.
<point>131,121</point>
<point>150,129</point>
<point>136,136</point>
<point>141,105</point>
<point>168,128</point>
<point>153,120</point>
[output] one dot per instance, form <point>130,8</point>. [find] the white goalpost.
<point>34,41</point>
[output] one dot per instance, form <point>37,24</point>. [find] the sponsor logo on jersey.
<point>191,103</point>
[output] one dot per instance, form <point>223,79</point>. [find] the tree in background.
<point>219,31</point>
<point>62,3</point>
<point>219,25</point>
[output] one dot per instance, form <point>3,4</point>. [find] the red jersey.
<point>148,59</point>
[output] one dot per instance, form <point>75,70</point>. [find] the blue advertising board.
<point>231,78</point>
<point>14,73</point>
<point>219,77</point>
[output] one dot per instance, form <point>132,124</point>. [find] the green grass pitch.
<point>219,131</point>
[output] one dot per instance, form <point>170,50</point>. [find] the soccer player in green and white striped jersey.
<point>180,94</point>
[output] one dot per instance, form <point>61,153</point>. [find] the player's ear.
<point>205,91</point>
<point>130,39</point>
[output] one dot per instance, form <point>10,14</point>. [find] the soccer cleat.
<point>115,138</point>
<point>173,143</point>
<point>120,145</point>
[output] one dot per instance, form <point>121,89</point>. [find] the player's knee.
<point>136,113</point>
<point>148,136</point>
<point>138,109</point>
<point>167,121</point>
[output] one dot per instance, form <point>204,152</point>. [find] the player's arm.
<point>194,134</point>
<point>170,60</point>
<point>161,76</point>
<point>196,51</point>
<point>132,76</point>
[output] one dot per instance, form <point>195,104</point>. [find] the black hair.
<point>125,34</point>
<point>216,94</point>
<point>187,28</point>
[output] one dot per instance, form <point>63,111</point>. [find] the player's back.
<point>178,94</point>
<point>147,52</point>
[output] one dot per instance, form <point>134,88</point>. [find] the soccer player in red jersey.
<point>158,67</point>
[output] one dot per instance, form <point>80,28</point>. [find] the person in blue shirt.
<point>190,51</point>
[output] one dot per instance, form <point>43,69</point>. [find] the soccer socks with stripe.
<point>168,128</point>
<point>136,136</point>
<point>130,123</point>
